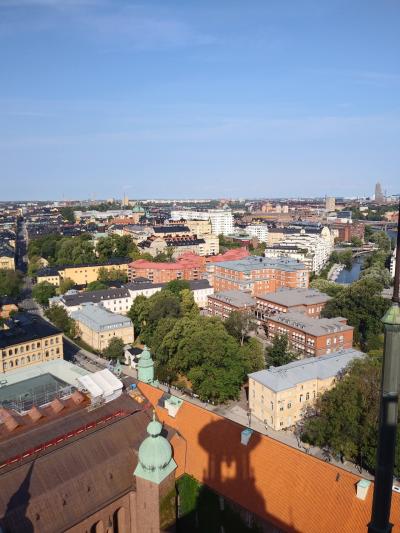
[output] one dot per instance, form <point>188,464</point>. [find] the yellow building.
<point>279,396</point>
<point>199,227</point>
<point>7,257</point>
<point>29,341</point>
<point>97,326</point>
<point>80,274</point>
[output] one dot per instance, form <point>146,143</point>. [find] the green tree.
<point>112,274</point>
<point>328,287</point>
<point>59,317</point>
<point>33,265</point>
<point>68,214</point>
<point>42,292</point>
<point>95,286</point>
<point>363,306</point>
<point>115,348</point>
<point>252,353</point>
<point>177,285</point>
<point>66,284</point>
<point>139,313</point>
<point>188,305</point>
<point>10,283</point>
<point>279,354</point>
<point>356,241</point>
<point>239,325</point>
<point>345,418</point>
<point>382,240</point>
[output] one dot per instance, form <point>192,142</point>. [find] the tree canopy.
<point>239,325</point>
<point>345,419</point>
<point>115,348</point>
<point>10,282</point>
<point>193,348</point>
<point>59,317</point>
<point>42,292</point>
<point>279,354</point>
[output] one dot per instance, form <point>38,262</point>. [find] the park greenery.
<point>66,285</point>
<point>42,292</point>
<point>96,286</point>
<point>344,420</point>
<point>10,283</point>
<point>59,317</point>
<point>115,349</point>
<point>279,354</point>
<point>225,243</point>
<point>194,351</point>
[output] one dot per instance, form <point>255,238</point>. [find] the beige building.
<point>29,341</point>
<point>199,227</point>
<point>97,326</point>
<point>279,396</point>
<point>7,262</point>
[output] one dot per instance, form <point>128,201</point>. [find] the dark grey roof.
<point>95,296</point>
<point>171,229</point>
<point>198,284</point>
<point>26,327</point>
<point>47,271</point>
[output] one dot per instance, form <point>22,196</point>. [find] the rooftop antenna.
<point>380,517</point>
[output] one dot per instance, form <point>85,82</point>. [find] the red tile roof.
<point>290,489</point>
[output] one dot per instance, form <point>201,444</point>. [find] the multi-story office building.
<point>307,301</point>
<point>311,336</point>
<point>259,275</point>
<point>223,303</point>
<point>280,395</point>
<point>97,326</point>
<point>221,219</point>
<point>29,340</point>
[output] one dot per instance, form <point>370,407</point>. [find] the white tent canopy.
<point>102,384</point>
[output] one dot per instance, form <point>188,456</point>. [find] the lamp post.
<point>380,518</point>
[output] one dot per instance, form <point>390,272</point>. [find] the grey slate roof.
<point>311,326</point>
<point>256,263</point>
<point>99,319</point>
<point>291,297</point>
<point>288,376</point>
<point>235,298</point>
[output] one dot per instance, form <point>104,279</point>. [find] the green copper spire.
<point>146,367</point>
<point>155,455</point>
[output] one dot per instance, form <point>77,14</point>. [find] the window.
<point>301,398</point>
<point>289,405</point>
<point>307,396</point>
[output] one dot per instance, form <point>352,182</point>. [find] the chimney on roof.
<point>362,487</point>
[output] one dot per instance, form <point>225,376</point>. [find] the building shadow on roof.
<point>229,473</point>
<point>15,519</point>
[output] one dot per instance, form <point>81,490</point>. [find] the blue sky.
<point>198,98</point>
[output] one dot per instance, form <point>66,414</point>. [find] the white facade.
<point>393,263</point>
<point>312,249</point>
<point>258,230</point>
<point>221,219</point>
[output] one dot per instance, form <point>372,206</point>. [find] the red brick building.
<point>223,303</point>
<point>311,336</point>
<point>188,267</point>
<point>308,301</point>
<point>259,275</point>
<point>347,230</point>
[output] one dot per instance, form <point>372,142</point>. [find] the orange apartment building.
<point>188,267</point>
<point>259,275</point>
<point>308,301</point>
<point>311,336</point>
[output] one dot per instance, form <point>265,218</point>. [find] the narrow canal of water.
<point>352,274</point>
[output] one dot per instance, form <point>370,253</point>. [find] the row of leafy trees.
<point>58,250</point>
<point>195,351</point>
<point>344,420</point>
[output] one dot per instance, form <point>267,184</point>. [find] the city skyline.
<point>105,98</point>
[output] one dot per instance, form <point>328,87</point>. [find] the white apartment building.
<point>393,263</point>
<point>312,249</point>
<point>258,230</point>
<point>221,219</point>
